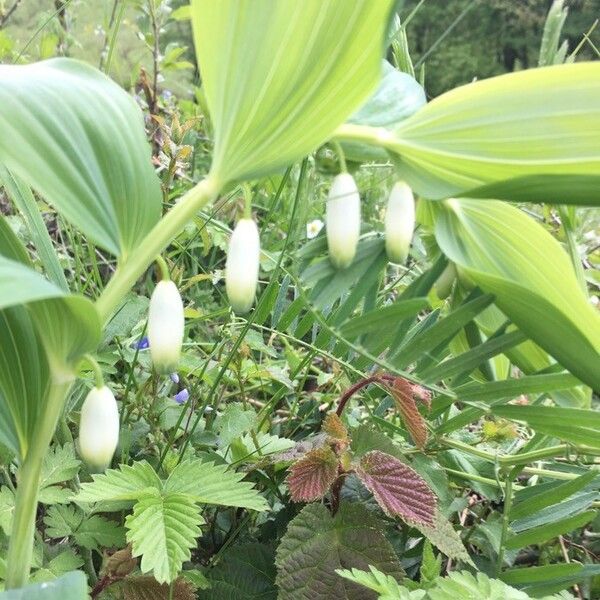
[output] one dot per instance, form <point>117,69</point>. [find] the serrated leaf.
<point>7,509</point>
<point>312,67</point>
<point>62,521</point>
<point>234,422</point>
<point>163,529</point>
<point>386,586</point>
<point>444,537</point>
<point>145,587</point>
<point>466,586</point>
<point>125,483</point>
<point>245,571</point>
<point>72,586</point>
<point>431,565</point>
<point>311,477</point>
<point>208,483</point>
<point>244,448</point>
<point>334,428</point>
<point>316,544</point>
<point>60,464</point>
<point>398,489</point>
<point>405,394</point>
<point>67,560</point>
<point>365,438</point>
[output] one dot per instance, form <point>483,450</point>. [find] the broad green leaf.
<point>397,97</point>
<point>72,586</point>
<point>85,147</point>
<point>162,530</point>
<point>316,544</point>
<point>509,255</point>
<point>576,425</point>
<point>244,571</point>
<point>208,483</point>
<point>532,123</point>
<point>279,76</point>
<point>125,483</point>
<point>234,422</point>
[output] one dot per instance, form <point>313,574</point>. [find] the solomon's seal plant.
<point>209,458</point>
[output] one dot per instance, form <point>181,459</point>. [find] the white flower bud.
<point>99,428</point>
<point>165,327</point>
<point>343,220</point>
<point>241,270</point>
<point>399,223</point>
<point>444,283</point>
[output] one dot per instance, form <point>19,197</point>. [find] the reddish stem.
<point>383,378</point>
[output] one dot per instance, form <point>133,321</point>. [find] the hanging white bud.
<point>165,327</point>
<point>444,283</point>
<point>99,428</point>
<point>399,223</point>
<point>241,270</point>
<point>343,220</point>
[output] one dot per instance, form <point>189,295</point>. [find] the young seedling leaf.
<point>311,477</point>
<point>399,490</point>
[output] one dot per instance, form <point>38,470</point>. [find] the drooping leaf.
<point>311,477</point>
<point>399,490</point>
<point>72,586</point>
<point>162,530</point>
<point>509,255</point>
<point>93,162</point>
<point>316,544</point>
<point>405,394</point>
<point>209,483</point>
<point>541,123</point>
<point>279,77</point>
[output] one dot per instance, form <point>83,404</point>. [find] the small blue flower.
<point>182,396</point>
<point>143,344</point>
<point>174,377</point>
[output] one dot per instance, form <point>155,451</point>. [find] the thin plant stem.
<point>153,244</point>
<point>20,547</point>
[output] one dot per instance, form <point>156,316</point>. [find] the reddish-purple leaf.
<point>334,428</point>
<point>404,393</point>
<point>399,490</point>
<point>311,477</point>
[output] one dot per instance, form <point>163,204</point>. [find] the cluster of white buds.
<point>399,223</point>
<point>241,269</point>
<point>99,428</point>
<point>342,221</point>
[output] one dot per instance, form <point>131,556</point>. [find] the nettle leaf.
<point>508,254</point>
<point>244,571</point>
<point>125,483</point>
<point>289,75</point>
<point>316,544</point>
<point>93,164</point>
<point>399,490</point>
<point>537,127</point>
<point>405,393</point>
<point>208,483</point>
<point>72,586</point>
<point>334,428</point>
<point>443,536</point>
<point>145,587</point>
<point>311,477</point>
<point>162,530</point>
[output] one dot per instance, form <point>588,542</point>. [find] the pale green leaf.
<point>280,76</point>
<point>7,509</point>
<point>85,147</point>
<point>60,464</point>
<point>386,586</point>
<point>234,422</point>
<point>162,530</point>
<point>208,483</point>
<point>125,483</point>
<point>531,123</point>
<point>509,255</point>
